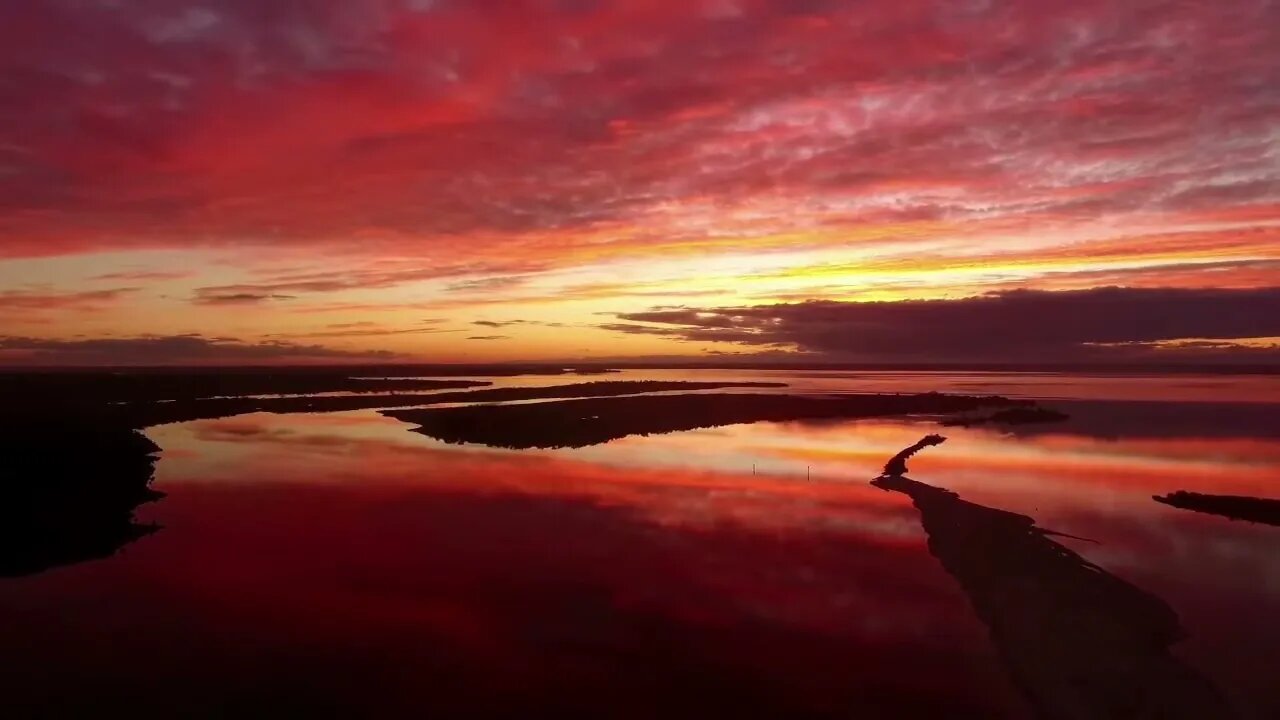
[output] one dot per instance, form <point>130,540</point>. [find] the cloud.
<point>504,323</point>
<point>352,325</point>
<point>168,350</point>
<point>204,297</point>
<point>145,275</point>
<point>690,333</point>
<point>413,158</point>
<point>42,300</point>
<point>1108,323</point>
<point>430,133</point>
<point>370,330</point>
<point>371,275</point>
<point>489,337</point>
<point>488,284</point>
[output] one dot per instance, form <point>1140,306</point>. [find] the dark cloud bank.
<point>1100,324</point>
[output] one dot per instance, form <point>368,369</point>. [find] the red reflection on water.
<point>337,563</point>
<point>468,583</point>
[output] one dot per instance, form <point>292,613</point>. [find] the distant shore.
<point>78,465</point>
<point>592,367</point>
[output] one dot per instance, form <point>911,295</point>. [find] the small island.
<point>1019,415</point>
<point>578,423</point>
<point>1235,507</point>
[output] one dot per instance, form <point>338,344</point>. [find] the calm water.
<point>339,565</point>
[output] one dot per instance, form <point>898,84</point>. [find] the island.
<point>578,423</point>
<point>1235,507</point>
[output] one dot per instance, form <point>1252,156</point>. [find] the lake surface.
<point>341,566</point>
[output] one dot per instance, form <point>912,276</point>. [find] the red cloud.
<point>531,129</point>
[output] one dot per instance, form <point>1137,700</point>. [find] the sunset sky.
<point>250,181</point>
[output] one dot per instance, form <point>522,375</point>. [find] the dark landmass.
<point>1236,507</point>
<point>1010,416</point>
<point>1079,642</point>
<point>578,423</point>
<point>1092,368</point>
<point>1112,419</point>
<point>147,414</point>
<point>615,364</point>
<point>414,370</point>
<point>68,492</point>
<point>597,388</point>
<point>76,466</point>
<point>897,465</point>
<point>93,388</point>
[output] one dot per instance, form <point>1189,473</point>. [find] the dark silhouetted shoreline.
<point>1235,507</point>
<point>77,465</point>
<point>1010,416</point>
<point>142,415</point>
<point>578,423</point>
<point>69,490</point>
<point>150,387</point>
<point>1079,642</point>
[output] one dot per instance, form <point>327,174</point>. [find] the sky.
<point>244,182</point>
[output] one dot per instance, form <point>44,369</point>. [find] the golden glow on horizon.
<point>559,309</point>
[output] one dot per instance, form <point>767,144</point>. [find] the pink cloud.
<point>232,123</point>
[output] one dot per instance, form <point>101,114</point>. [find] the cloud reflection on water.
<point>650,575</point>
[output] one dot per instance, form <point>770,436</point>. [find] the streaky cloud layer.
<point>249,169</point>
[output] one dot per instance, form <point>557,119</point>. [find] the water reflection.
<point>1080,642</point>
<point>477,585</point>
<point>1223,578</point>
<point>339,564</point>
